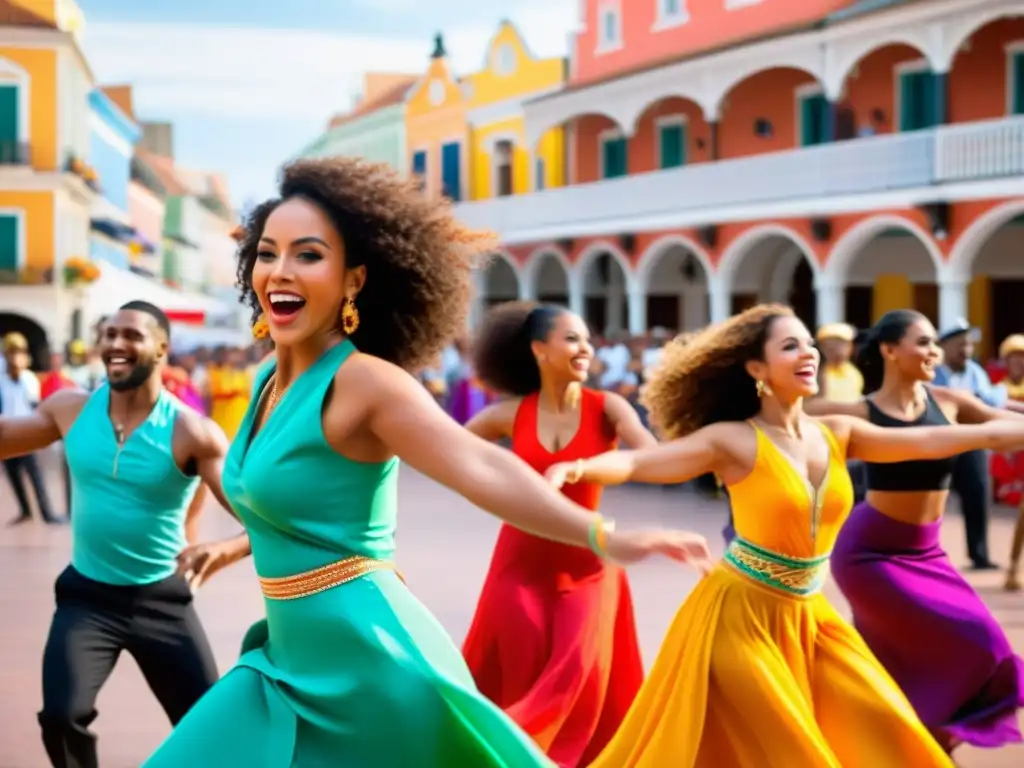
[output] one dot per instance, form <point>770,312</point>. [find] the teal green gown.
<point>358,676</point>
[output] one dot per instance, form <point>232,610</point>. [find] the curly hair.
<point>418,259</point>
<point>502,357</point>
<point>703,380</point>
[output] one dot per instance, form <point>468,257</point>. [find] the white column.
<point>577,294</point>
<point>637,306</point>
<point>952,300</point>
<point>478,308</point>
<point>694,314</point>
<point>720,294</point>
<point>831,300</point>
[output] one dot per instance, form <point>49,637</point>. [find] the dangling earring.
<point>349,316</point>
<point>260,329</point>
<point>763,389</point>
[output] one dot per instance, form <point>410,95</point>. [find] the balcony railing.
<point>15,153</point>
<point>703,192</point>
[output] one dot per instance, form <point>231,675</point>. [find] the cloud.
<point>303,75</point>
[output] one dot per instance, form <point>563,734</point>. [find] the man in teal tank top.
<point>136,457</point>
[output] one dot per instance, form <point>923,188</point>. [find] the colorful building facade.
<point>437,136</point>
<point>375,129</point>
<point>46,184</point>
<point>846,156</point>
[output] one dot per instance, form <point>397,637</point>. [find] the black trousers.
<point>971,484</point>
<point>93,623</point>
<point>17,470</point>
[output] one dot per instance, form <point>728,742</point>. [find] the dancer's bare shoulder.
<point>496,420</point>
<point>198,437</point>
<point>63,407</point>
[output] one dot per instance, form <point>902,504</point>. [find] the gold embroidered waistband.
<point>795,575</point>
<point>323,578</point>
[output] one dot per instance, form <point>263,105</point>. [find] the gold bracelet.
<point>577,472</point>
<point>597,535</point>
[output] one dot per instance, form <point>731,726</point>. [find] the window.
<point>671,142</point>
<point>504,161</point>
<point>8,123</point>
<point>813,118</point>
<point>609,35</point>
<point>1015,80</point>
<point>614,155</point>
<point>419,167</point>
<point>671,13</point>
<point>436,93</point>
<point>916,106</point>
<point>540,182</point>
<point>505,60</point>
<point>9,261</point>
<point>451,170</point>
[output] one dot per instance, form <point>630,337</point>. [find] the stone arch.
<point>850,53</point>
<point>843,253</point>
<point>32,330</point>
<point>586,258</point>
<point>961,27</point>
<point>534,263</point>
<point>740,247</point>
<point>655,252</point>
<point>546,115</point>
<point>973,239</point>
<point>603,302</point>
<point>800,58</point>
<point>501,260</point>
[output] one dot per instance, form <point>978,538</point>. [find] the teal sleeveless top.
<point>129,501</point>
<point>303,504</point>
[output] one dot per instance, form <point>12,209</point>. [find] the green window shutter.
<point>8,243</point>
<point>8,123</point>
<point>615,158</point>
<point>672,144</point>
<point>1017,94</point>
<point>918,105</point>
<point>907,114</point>
<point>813,119</point>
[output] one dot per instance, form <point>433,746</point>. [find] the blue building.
<point>112,139</point>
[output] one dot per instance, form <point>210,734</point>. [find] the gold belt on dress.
<point>793,575</point>
<point>323,578</point>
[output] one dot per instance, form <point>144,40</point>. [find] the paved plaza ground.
<point>444,548</point>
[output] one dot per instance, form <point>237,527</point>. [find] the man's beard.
<point>140,375</point>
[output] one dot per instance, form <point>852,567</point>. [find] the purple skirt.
<point>929,629</point>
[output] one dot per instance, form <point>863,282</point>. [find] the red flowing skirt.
<point>554,644</point>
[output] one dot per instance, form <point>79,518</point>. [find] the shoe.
<point>984,565</point>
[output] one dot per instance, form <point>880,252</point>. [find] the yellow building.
<point>435,129</point>
<point>46,189</point>
<point>501,161</point>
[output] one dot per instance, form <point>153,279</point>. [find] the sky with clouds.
<point>247,83</point>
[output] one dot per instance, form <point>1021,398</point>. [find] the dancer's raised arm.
<point>406,419</point>
<point>673,462</point>
<point>22,435</point>
<point>881,445</point>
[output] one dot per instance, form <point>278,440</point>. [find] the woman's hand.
<point>559,474</point>
<point>627,547</point>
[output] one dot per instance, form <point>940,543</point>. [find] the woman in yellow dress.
<point>758,670</point>
<point>230,391</point>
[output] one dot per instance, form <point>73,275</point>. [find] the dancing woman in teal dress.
<point>357,276</point>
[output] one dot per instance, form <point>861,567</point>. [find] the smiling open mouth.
<point>285,305</point>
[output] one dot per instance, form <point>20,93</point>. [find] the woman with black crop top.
<point>924,622</point>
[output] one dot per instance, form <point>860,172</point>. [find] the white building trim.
<point>491,148</point>
<point>738,250</point>
<point>18,214</point>
<point>965,251</point>
<point>506,109</point>
<point>849,246</point>
<point>936,29</point>
<point>588,256</point>
<point>653,254</point>
<point>680,119</point>
<point>665,20</point>
<point>99,126</point>
<point>13,74</point>
<point>605,45</point>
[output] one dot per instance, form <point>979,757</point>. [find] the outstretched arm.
<point>626,422</point>
<point>406,419</point>
<point>495,421</point>
<point>973,410</point>
<point>668,463</point>
<point>881,445</point>
<point>22,435</point>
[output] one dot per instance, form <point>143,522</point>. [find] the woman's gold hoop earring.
<point>762,389</point>
<point>260,329</point>
<point>349,317</point>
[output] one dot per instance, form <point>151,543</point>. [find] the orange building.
<point>846,156</point>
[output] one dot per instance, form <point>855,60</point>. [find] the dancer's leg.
<point>1016,549</point>
<point>970,481</point>
<point>85,640</point>
<point>171,648</point>
<point>13,468</point>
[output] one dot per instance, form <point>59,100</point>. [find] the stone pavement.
<point>444,548</point>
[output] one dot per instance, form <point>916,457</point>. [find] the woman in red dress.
<point>553,642</point>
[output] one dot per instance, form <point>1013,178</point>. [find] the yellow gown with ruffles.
<point>758,670</point>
